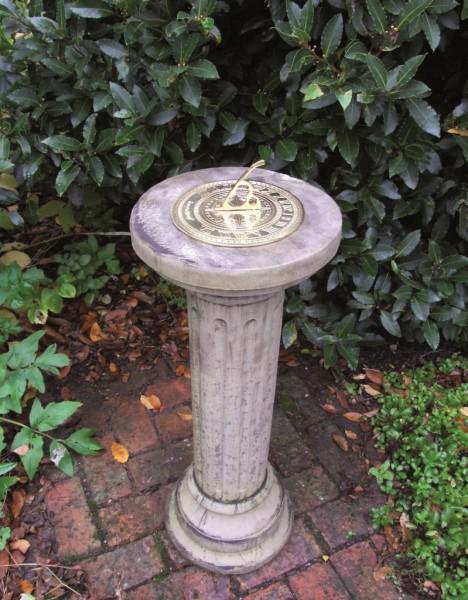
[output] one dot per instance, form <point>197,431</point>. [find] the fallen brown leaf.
<point>341,396</point>
<point>17,502</point>
<point>17,557</point>
<point>185,416</point>
<point>95,333</point>
<point>329,408</point>
<point>293,363</point>
<point>391,538</point>
<point>350,434</point>
<point>375,376</point>
<point>355,417</point>
<point>430,587</point>
<point>381,573</point>
<point>359,377</point>
<point>370,390</point>
<point>20,258</point>
<point>340,441</point>
<point>404,522</point>
<point>26,587</point>
<point>4,562</point>
<point>65,393</point>
<point>21,545</point>
<point>119,452</point>
<point>371,413</point>
<point>464,411</point>
<point>113,368</point>
<point>151,402</point>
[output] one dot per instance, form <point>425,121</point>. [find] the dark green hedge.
<point>100,99</point>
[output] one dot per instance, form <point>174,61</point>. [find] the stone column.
<point>229,512</point>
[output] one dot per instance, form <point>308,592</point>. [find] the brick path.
<point>109,517</point>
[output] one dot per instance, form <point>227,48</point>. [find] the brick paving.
<point>109,518</point>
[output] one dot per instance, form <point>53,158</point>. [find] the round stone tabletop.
<point>195,264</point>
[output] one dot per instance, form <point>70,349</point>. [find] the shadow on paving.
<point>108,518</point>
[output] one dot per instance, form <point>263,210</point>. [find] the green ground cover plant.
<point>28,295</point>
<point>100,100</point>
<point>422,425</point>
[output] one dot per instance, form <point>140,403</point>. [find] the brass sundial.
<point>238,213</point>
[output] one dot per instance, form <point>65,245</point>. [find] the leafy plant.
<point>422,425</point>
<point>85,268</point>
<point>21,371</point>
<point>99,102</point>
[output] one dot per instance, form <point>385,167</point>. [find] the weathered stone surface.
<point>69,512</point>
<point>310,489</point>
<point>160,465</point>
<point>235,301</point>
<point>318,582</point>
<point>300,548</point>
<point>133,517</point>
<point>123,568</point>
<point>176,256</point>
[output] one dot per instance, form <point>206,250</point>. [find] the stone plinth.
<point>229,512</point>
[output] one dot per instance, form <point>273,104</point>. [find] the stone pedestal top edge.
<point>202,266</point>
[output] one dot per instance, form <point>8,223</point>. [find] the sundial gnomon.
<point>238,213</point>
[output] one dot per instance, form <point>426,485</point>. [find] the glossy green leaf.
<point>332,35</point>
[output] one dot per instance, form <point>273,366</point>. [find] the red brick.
<point>310,488</point>
<point>300,548</point>
<point>277,591</point>
<point>288,452</point>
<point>75,532</point>
<point>106,479</point>
<point>123,568</point>
<point>343,520</point>
<point>171,392</point>
<point>318,582</point>
<point>132,425</point>
<point>355,566</point>
<point>190,584</point>
<point>132,517</point>
<point>172,427</point>
<point>160,465</point>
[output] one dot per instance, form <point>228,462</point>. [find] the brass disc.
<point>259,213</point>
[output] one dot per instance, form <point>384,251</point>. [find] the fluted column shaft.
<point>234,345</point>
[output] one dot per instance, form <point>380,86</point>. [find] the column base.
<point>229,537</point>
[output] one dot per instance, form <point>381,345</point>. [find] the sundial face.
<point>237,213</point>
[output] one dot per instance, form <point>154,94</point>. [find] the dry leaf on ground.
<point>354,417</point>
<point>119,452</point>
<point>375,376</point>
<point>26,587</point>
<point>381,573</point>
<point>4,562</point>
<point>113,368</point>
<point>350,434</point>
<point>185,416</point>
<point>95,333</point>
<point>329,408</point>
<point>340,441</point>
<point>21,545</point>
<point>17,502</point>
<point>20,258</point>
<point>151,402</point>
<point>370,390</point>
